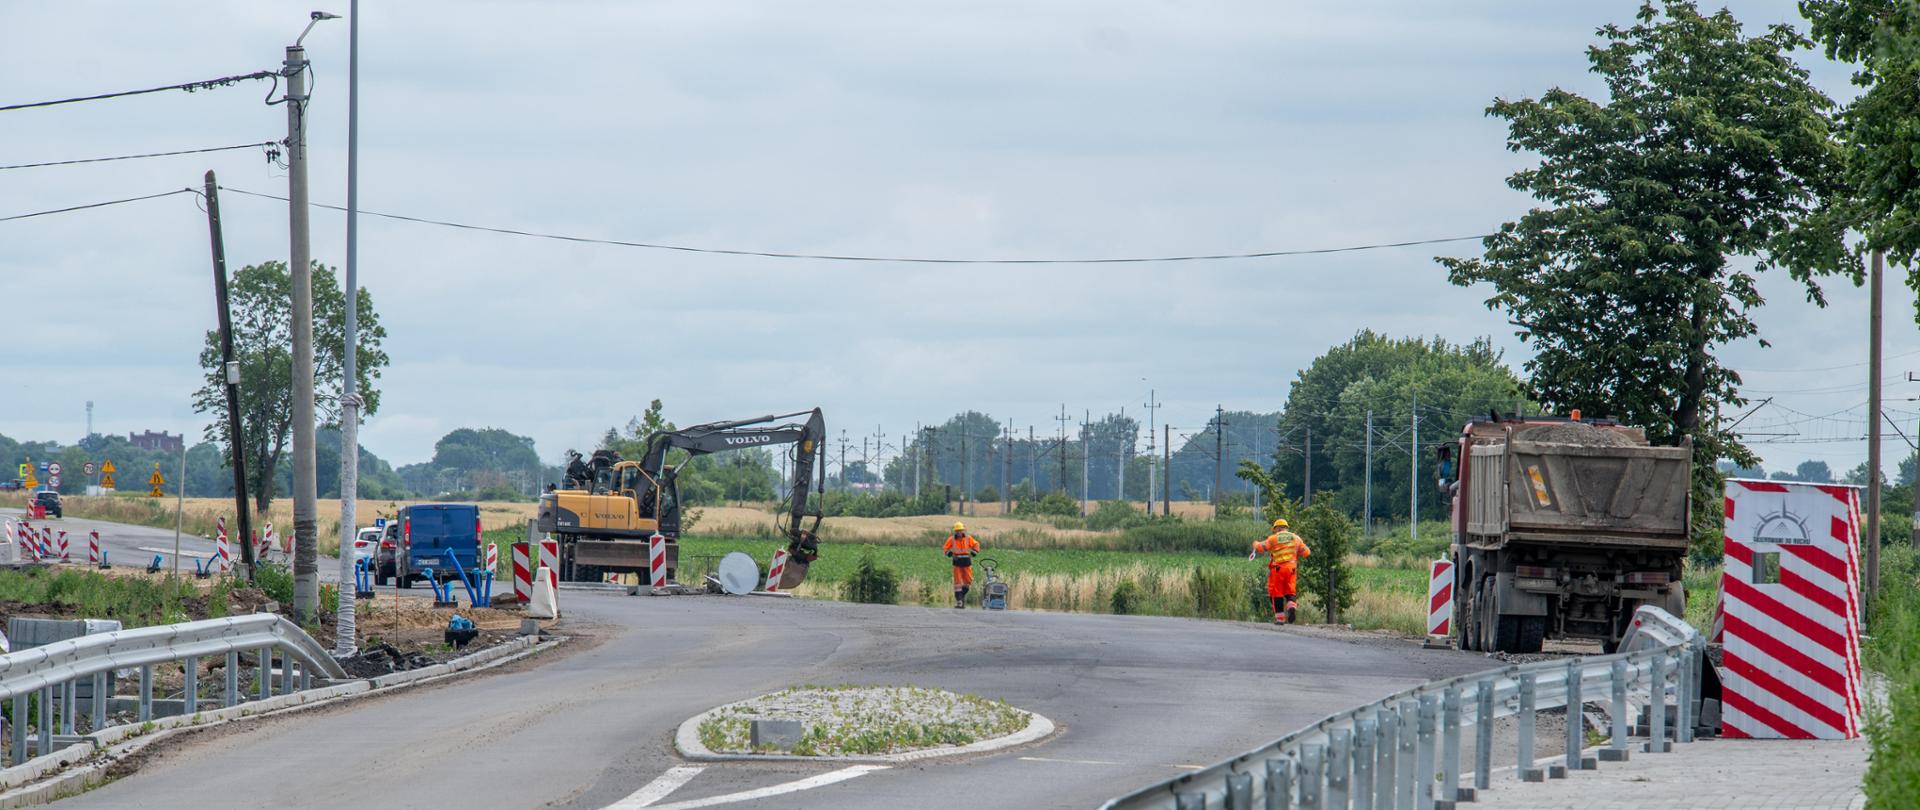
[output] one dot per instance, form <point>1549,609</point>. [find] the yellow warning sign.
<point>108,467</point>
<point>1539,487</point>
<point>32,482</point>
<point>106,482</point>
<point>156,480</point>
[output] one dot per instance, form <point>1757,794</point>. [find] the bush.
<point>1330,535</point>
<point>1174,534</point>
<point>1055,504</point>
<point>1110,515</point>
<point>1893,649</point>
<point>987,494</point>
<point>839,503</point>
<point>274,579</point>
<point>1125,599</point>
<point>871,582</point>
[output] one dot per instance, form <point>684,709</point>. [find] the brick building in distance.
<point>163,441</point>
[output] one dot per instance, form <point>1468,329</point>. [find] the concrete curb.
<point>687,741</point>
<point>28,784</point>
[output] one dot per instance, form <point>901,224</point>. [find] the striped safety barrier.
<point>44,545</point>
<point>493,556</point>
<point>522,572</point>
<point>1790,611</point>
<point>93,547</point>
<point>550,560</point>
<point>63,547</point>
<point>266,540</point>
<point>222,557</point>
<point>657,560</point>
<point>777,570</point>
<point>1440,598</point>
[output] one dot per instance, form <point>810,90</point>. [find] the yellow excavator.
<point>610,507</point>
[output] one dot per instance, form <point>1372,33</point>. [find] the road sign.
<point>379,523</point>
<point>88,468</point>
<point>43,466</point>
<point>53,468</point>
<point>25,470</point>
<point>32,482</point>
<point>53,481</point>
<point>108,467</point>
<point>106,482</point>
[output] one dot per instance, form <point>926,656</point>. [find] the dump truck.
<point>1562,527</point>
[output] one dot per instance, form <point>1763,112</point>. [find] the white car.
<point>365,543</point>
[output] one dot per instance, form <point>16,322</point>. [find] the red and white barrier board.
<point>777,570</point>
<point>222,556</point>
<point>1790,611</point>
<point>550,560</point>
<point>657,560</point>
<point>63,547</point>
<point>522,572</point>
<point>493,556</point>
<point>93,548</point>
<point>1440,598</point>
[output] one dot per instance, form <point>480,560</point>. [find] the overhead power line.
<point>136,157</point>
<point>190,87</point>
<point>900,259</point>
<point>98,204</point>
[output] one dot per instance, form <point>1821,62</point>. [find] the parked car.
<point>50,500</point>
<point>12,484</point>
<point>366,543</point>
<point>422,537</point>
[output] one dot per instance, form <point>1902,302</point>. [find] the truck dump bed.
<point>1569,482</point>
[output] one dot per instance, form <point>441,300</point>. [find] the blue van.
<point>422,536</point>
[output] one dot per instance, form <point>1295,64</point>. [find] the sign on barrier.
<point>550,559</point>
<point>522,572</point>
<point>1440,598</point>
<point>221,555</point>
<point>1790,611</point>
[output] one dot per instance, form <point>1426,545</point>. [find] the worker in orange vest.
<point>1284,550</point>
<point>961,547</point>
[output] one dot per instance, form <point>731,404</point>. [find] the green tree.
<point>261,300</point>
<point>1710,145</point>
<point>1329,534</point>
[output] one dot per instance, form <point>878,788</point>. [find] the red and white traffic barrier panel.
<point>550,560</point>
<point>63,547</point>
<point>776,570</point>
<point>222,557</point>
<point>266,540</point>
<point>493,556</point>
<point>1440,598</point>
<point>657,560</point>
<point>44,546</point>
<point>522,573</point>
<point>1790,611</point>
<point>93,548</point>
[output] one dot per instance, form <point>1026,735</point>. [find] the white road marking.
<point>808,783</point>
<point>658,788</point>
<point>1104,762</point>
<point>201,555</point>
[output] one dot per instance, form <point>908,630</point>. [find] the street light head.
<point>322,15</point>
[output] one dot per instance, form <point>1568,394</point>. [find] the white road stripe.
<point>1104,762</point>
<point>200,555</point>
<point>659,788</point>
<point>808,783</point>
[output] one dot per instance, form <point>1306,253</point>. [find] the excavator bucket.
<point>795,573</point>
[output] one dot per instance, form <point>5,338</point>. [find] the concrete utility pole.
<point>1219,454</point>
<point>1006,474</point>
<point>1124,452</point>
<point>1306,460</point>
<point>306,570</point>
<point>1166,480</point>
<point>345,642</point>
<point>1413,475</point>
<point>1063,419</point>
<point>913,458</point>
<point>1366,497</point>
<point>1871,554</point>
<point>966,473</point>
<point>230,371</point>
<point>1153,475</point>
<point>1033,463</point>
<point>1086,460</point>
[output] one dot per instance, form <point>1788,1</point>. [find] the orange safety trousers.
<point>1281,580</point>
<point>963,575</point>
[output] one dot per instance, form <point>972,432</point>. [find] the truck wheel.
<point>1506,634</point>
<point>1533,631</point>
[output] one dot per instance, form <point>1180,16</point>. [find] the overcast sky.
<point>977,128</point>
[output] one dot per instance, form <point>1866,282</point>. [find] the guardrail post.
<point>99,701</point>
<point>1428,722</point>
<point>146,692</point>
<point>1449,749</point>
<point>1386,741</point>
<point>1525,720</point>
<point>1364,731</point>
<point>1657,706</point>
<point>67,690</point>
<point>45,720</point>
<point>1279,784</point>
<point>1616,750</point>
<point>1576,722</point>
<point>1689,687</point>
<point>1313,773</point>
<point>1339,769</point>
<point>1483,735</point>
<point>20,728</point>
<point>233,678</point>
<point>1403,758</point>
<point>190,685</point>
<point>286,671</point>
<point>1239,791</point>
<point>265,678</point>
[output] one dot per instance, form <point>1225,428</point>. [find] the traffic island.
<point>852,723</point>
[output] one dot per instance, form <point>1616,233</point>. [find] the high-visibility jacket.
<point>1284,549</point>
<point>962,545</point>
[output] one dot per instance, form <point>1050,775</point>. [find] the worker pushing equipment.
<point>961,547</point>
<point>1284,550</point>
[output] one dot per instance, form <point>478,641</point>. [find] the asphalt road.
<point>1137,699</point>
<point>134,546</point>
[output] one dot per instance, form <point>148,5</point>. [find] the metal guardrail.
<point>1405,750</point>
<point>57,674</point>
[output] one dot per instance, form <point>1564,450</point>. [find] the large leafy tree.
<point>261,301</point>
<point>1711,159</point>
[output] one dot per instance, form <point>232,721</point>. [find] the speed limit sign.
<point>87,468</point>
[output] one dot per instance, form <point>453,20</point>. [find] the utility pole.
<point>1306,460</point>
<point>230,372</point>
<point>1033,463</point>
<point>1166,480</point>
<point>344,637</point>
<point>1086,460</point>
<point>933,457</point>
<point>913,457</point>
<point>1061,482</point>
<point>1413,475</point>
<point>1366,497</point>
<point>1219,454</point>
<point>1006,474</point>
<point>1871,553</point>
<point>306,570</point>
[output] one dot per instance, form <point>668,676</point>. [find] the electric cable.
<point>190,87</point>
<point>139,156</point>
<point>99,204</point>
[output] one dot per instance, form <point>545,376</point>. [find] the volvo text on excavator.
<point>610,507</point>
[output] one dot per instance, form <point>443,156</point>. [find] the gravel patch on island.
<point>864,720</point>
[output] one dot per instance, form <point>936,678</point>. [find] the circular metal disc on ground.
<point>739,574</point>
